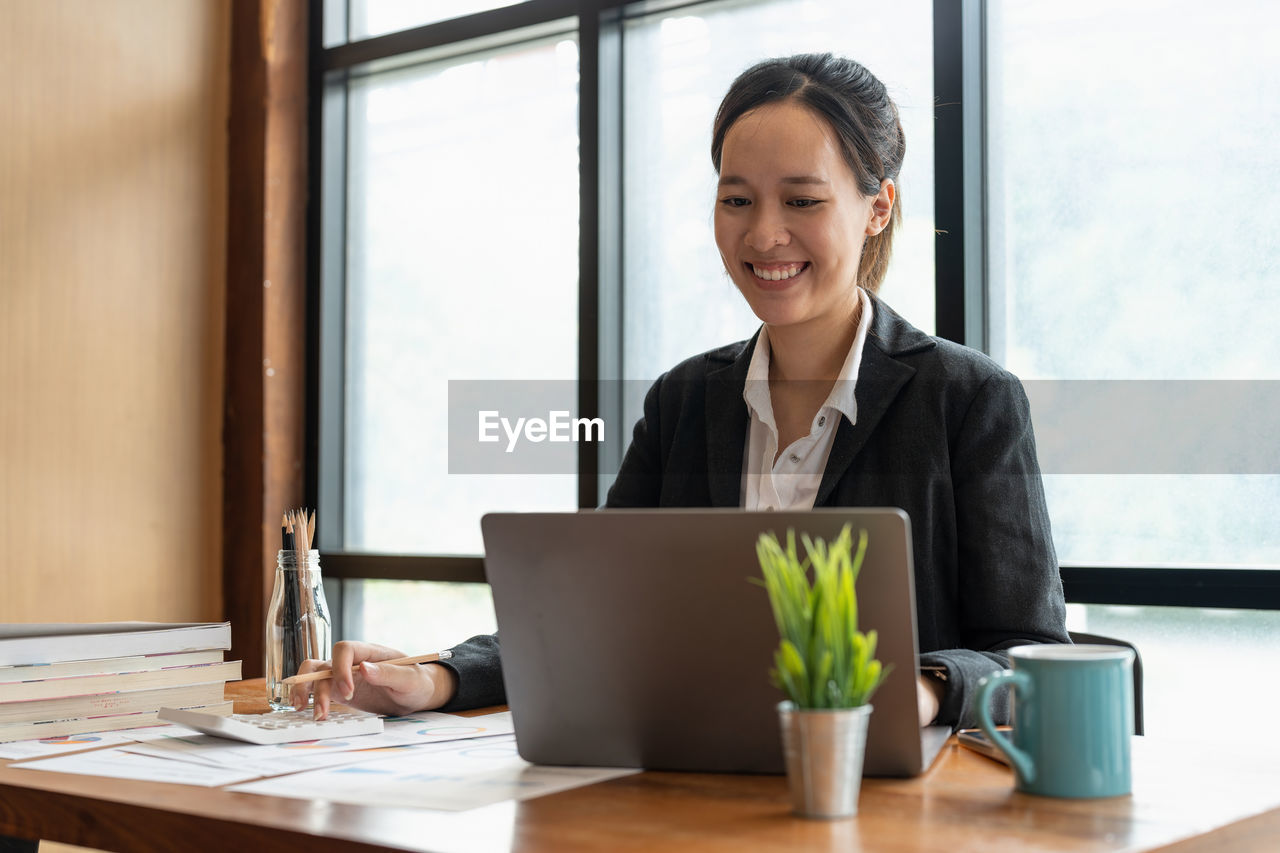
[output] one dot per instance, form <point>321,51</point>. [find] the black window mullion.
<point>1250,589</point>
<point>958,155</point>
<point>317,25</point>
<point>452,31</point>
<point>588,246</point>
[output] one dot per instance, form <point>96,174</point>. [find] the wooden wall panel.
<point>266,302</point>
<point>112,258</point>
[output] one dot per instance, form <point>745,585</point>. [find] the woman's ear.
<point>881,207</point>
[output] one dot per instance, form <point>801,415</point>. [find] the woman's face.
<point>789,218</point>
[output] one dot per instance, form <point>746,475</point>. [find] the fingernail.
<point>370,668</point>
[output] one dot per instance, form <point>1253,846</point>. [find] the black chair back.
<point>1080,638</point>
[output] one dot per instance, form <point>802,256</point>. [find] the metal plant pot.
<point>824,750</point>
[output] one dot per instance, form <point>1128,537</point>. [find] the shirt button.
<point>795,458</point>
<point>822,421</point>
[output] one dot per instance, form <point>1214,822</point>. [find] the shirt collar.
<point>756,391</point>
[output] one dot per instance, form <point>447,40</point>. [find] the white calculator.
<point>278,726</point>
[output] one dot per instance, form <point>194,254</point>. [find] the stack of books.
<point>58,680</point>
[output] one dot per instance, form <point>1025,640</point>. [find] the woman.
<point>837,401</point>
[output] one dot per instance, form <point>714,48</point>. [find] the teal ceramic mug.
<point>1073,718</point>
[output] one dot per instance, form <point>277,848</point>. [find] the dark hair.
<point>856,106</point>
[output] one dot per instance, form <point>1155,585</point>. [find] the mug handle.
<point>1020,682</point>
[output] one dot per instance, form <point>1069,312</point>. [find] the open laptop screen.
<point>635,638</point>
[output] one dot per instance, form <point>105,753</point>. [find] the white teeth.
<point>777,274</point>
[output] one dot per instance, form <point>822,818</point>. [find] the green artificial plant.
<point>823,661</point>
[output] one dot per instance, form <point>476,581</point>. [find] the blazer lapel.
<point>727,422</point>
<point>880,378</point>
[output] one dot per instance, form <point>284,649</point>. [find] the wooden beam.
<point>264,417</point>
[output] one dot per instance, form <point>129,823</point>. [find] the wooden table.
<point>1186,798</point>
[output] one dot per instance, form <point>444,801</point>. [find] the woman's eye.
<point>805,202</point>
<point>734,201</point>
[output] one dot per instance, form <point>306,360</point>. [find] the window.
<point>1178,645</point>
<point>462,263</point>
<point>451,176</point>
<point>1125,224</point>
<point>1081,220</point>
<point>677,299</point>
<point>365,19</point>
<point>450,228</point>
<point>1124,243</point>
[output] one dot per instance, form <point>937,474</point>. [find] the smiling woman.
<point>836,401</point>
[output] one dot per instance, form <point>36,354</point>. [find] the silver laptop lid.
<point>634,638</point>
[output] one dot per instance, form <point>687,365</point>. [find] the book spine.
<point>102,704</point>
<point>94,725</point>
<point>56,648</point>
<point>58,688</point>
<point>105,666</point>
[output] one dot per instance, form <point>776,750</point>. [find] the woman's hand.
<point>928,699</point>
<point>383,689</point>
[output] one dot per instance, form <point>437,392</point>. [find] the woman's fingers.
<point>928,699</point>
<point>360,680</point>
<point>345,655</point>
<point>298,693</point>
<point>342,687</point>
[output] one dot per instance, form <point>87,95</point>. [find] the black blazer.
<point>944,433</point>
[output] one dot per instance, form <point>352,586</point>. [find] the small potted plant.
<point>825,666</point>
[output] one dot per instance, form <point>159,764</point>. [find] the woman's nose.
<point>765,232</point>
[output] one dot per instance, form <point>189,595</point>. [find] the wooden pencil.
<point>305,527</point>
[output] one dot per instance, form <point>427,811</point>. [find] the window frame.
<point>959,44</point>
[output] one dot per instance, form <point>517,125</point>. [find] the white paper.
<point>44,747</point>
<point>118,764</point>
<point>452,777</point>
<point>157,732</point>
<point>274,759</point>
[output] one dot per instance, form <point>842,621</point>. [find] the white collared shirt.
<point>792,482</point>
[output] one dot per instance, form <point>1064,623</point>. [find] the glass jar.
<point>298,625</point>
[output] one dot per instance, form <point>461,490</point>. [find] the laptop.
<point>634,638</point>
